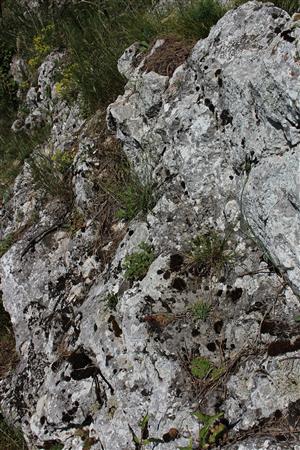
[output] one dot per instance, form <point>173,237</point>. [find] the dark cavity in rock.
<point>179,284</point>
<point>176,262</point>
<point>82,365</point>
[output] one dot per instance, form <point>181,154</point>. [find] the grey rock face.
<point>220,140</point>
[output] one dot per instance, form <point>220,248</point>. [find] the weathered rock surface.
<point>221,142</point>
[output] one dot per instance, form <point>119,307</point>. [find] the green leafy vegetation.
<point>212,430</point>
<point>91,32</point>
<point>136,264</point>
<point>132,195</point>
<point>141,441</point>
<point>14,147</point>
<point>96,33</point>
<point>208,253</point>
<point>8,88</point>
<point>210,433</point>
<point>111,301</point>
<point>66,86</point>
<point>42,46</point>
<point>202,368</point>
<point>193,19</point>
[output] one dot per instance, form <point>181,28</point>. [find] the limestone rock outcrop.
<point>219,140</point>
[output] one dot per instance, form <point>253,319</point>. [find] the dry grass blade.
<point>166,58</point>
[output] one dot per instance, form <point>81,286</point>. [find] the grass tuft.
<point>193,19</point>
<point>208,253</point>
<point>201,310</point>
<point>10,438</point>
<point>52,174</point>
<point>135,198</point>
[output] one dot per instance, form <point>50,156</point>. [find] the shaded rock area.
<point>220,142</point>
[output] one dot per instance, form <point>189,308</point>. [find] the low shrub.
<point>136,264</point>
<point>211,432</point>
<point>66,86</point>
<point>42,45</point>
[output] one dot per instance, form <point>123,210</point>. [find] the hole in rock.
<point>218,325</point>
<point>176,261</point>
<point>179,284</point>
<point>82,365</point>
